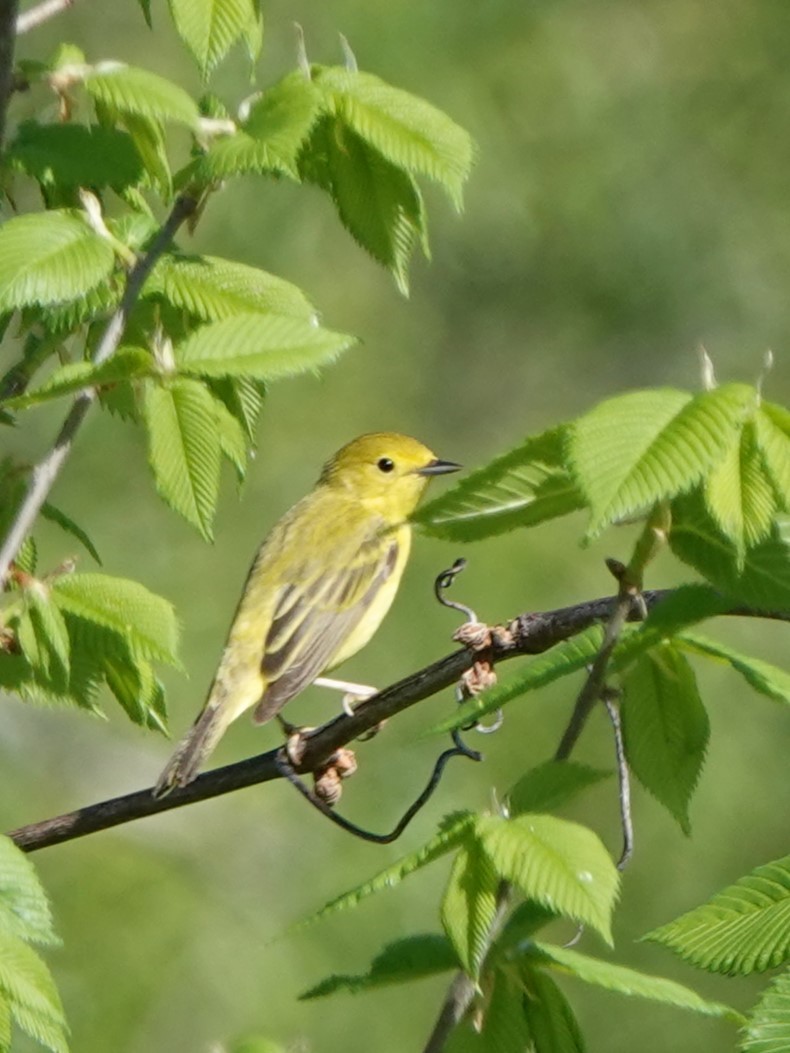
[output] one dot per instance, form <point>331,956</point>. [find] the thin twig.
<point>528,634</point>
<point>8,14</point>
<point>39,14</point>
<point>457,1001</point>
<point>591,690</point>
<point>610,699</point>
<point>46,471</point>
<point>463,989</point>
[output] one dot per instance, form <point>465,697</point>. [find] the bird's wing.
<point>311,621</point>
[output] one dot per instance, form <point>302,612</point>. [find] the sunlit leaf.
<point>628,981</point>
<point>210,28</point>
<point>469,906</point>
<point>559,864</point>
<point>406,130</point>
<point>184,448</point>
<point>24,907</point>
<point>126,364</point>
<point>145,621</point>
<point>665,728</point>
<point>524,487</point>
<point>49,257</point>
<point>760,578</point>
<point>768,679</point>
<point>634,450</point>
<point>745,928</point>
<point>768,1027</point>
<point>377,202</point>
<point>262,346</point>
<point>211,289</point>
<point>139,92</point>
<point>739,494</point>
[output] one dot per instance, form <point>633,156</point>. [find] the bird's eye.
<point>384,464</point>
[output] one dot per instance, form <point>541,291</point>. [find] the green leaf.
<point>665,728</point>
<point>740,495</point>
<point>627,981</point>
<point>232,438</point>
<point>138,690</point>
<point>454,830</point>
<point>184,448</point>
<point>634,450</point>
<point>146,622</point>
<point>765,678</point>
<point>126,364</point>
<point>210,28</point>
<point>410,133</point>
<point>772,425</point>
<point>145,7</point>
<point>565,658</point>
<point>243,398</point>
<point>48,652</point>
<point>271,137</point>
<point>49,257</point>
<point>97,655</point>
<point>559,864</point>
<point>761,578</point>
<point>524,487</point>
<point>27,988</point>
<point>745,928</point>
<point>74,155</point>
<point>552,1025</point>
<point>379,204</point>
<point>469,906</point>
<point>149,139</point>
<point>404,960</point>
<point>60,320</point>
<point>141,93</point>
<point>24,907</point>
<point>211,289</point>
<point>552,784</point>
<point>55,515</point>
<point>261,346</point>
<point>768,1027</point>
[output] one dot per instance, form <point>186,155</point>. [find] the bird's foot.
<point>327,779</point>
<point>353,694</point>
<point>295,740</point>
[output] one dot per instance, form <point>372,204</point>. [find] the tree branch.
<point>8,15</point>
<point>528,634</point>
<point>46,471</point>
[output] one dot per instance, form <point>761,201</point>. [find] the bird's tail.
<point>193,749</point>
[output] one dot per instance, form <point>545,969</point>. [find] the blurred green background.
<point>630,202</point>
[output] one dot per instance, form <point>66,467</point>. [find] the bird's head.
<point>385,471</point>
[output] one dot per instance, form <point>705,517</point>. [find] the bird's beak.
<point>437,467</point>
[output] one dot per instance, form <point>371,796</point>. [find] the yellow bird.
<point>318,589</point>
